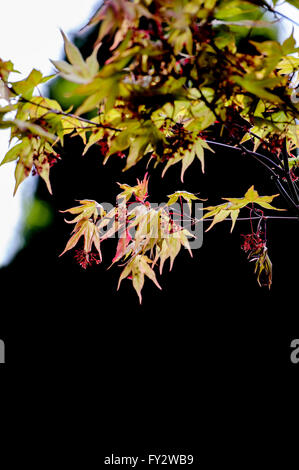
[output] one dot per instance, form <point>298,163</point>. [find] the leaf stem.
<point>62,113</point>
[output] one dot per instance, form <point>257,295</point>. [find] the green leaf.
<point>293,162</point>
<point>15,152</point>
<point>259,87</point>
<point>234,10</point>
<point>26,87</point>
<point>288,65</point>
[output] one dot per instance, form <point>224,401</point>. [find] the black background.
<point>202,366</point>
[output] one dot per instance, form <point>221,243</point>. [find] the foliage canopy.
<point>182,78</point>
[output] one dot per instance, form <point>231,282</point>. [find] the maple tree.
<point>182,79</point>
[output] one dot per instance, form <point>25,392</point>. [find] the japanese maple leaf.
<point>88,209</point>
<point>77,70</point>
<point>252,196</point>
<point>89,231</point>
<point>233,206</point>
<point>140,191</point>
<point>87,215</point>
<point>136,269</point>
<point>122,245</point>
<point>188,197</point>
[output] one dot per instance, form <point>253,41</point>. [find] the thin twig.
<point>269,217</point>
<point>275,12</point>
<point>62,113</point>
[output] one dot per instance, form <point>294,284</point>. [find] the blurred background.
<point>211,347</point>
<point>29,37</point>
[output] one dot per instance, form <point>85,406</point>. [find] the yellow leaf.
<point>89,231</point>
<point>137,268</point>
<point>252,196</point>
<point>219,217</point>
<point>186,162</point>
<point>88,209</point>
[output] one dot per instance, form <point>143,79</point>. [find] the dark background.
<point>202,366</point>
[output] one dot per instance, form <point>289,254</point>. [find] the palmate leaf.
<point>140,191</point>
<point>34,129</point>
<point>38,107</point>
<point>113,14</point>
<point>252,196</point>
<point>234,9</point>
<point>259,87</point>
<point>93,139</point>
<point>22,152</point>
<point>220,213</point>
<point>88,209</point>
<point>6,67</point>
<point>26,87</point>
<point>288,65</point>
<point>15,152</point>
<point>187,156</point>
<point>136,269</point>
<point>29,152</point>
<point>87,229</point>
<point>107,90</point>
<point>78,70</point>
<point>188,197</point>
<point>233,206</point>
<point>170,246</point>
<point>174,76</point>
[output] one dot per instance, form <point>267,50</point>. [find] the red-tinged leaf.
<point>140,191</point>
<point>43,169</point>
<point>122,246</point>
